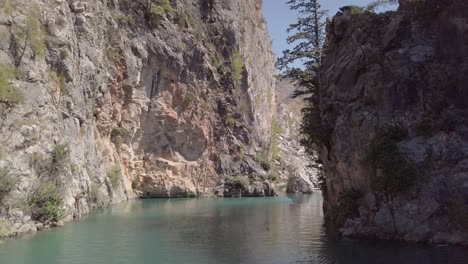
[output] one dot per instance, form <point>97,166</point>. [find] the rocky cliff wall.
<point>108,100</point>
<point>394,94</point>
<point>296,170</point>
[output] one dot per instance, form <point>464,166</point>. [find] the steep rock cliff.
<point>394,94</point>
<point>116,99</point>
<point>296,170</point>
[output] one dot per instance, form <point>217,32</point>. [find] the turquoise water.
<point>246,230</point>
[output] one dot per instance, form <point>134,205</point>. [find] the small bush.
<point>60,81</point>
<point>7,6</point>
<point>239,181</point>
<point>457,211</point>
<point>189,99</point>
<point>63,54</point>
<point>118,134</point>
<point>273,176</point>
<point>114,176</point>
<point>135,183</point>
<point>8,93</point>
<point>346,206</point>
<point>3,229</point>
<point>8,183</point>
<point>33,34</point>
<point>95,195</point>
<point>237,68</point>
<point>2,153</point>
<point>231,121</point>
<point>397,173</point>
<point>277,132</point>
<point>426,127</point>
<point>46,203</point>
<point>356,10</point>
<point>161,9</point>
<point>113,54</point>
<point>182,45</point>
<point>124,20</point>
<point>60,152</point>
<point>264,160</point>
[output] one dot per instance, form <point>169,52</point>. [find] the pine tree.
<point>308,38</point>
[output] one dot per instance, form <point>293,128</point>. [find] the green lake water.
<point>245,230</point>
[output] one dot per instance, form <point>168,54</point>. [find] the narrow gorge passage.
<point>233,131</point>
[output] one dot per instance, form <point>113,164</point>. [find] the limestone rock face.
<point>404,70</point>
<point>146,103</point>
<point>297,171</point>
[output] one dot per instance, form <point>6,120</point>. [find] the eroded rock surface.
<point>173,102</point>
<point>297,171</point>
<point>394,94</point>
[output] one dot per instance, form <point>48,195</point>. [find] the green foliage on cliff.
<point>32,34</point>
<point>95,195</point>
<point>307,36</point>
<point>60,81</point>
<point>345,207</point>
<point>264,160</point>
<point>118,135</point>
<point>355,10</point>
<point>9,94</point>
<point>123,19</point>
<point>113,54</point>
<point>46,203</point>
<point>457,211</point>
<point>7,6</point>
<point>159,9</point>
<point>237,68</point>
<point>60,153</point>
<point>398,174</point>
<point>239,181</point>
<point>3,229</point>
<point>114,176</point>
<point>277,131</point>
<point>8,183</point>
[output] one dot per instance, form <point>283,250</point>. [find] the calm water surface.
<point>247,230</point>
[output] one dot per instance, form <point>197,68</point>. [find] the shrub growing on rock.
<point>60,152</point>
<point>397,173</point>
<point>9,95</point>
<point>118,134</point>
<point>264,160</point>
<point>237,68</point>
<point>124,19</point>
<point>7,183</point>
<point>32,33</point>
<point>46,203</point>
<point>3,229</point>
<point>239,181</point>
<point>114,176</point>
<point>346,206</point>
<point>59,81</point>
<point>159,9</point>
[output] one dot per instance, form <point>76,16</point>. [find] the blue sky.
<point>279,17</point>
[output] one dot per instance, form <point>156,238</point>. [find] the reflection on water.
<point>246,230</point>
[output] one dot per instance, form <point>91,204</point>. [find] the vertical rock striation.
<point>297,171</point>
<point>394,94</point>
<point>139,98</point>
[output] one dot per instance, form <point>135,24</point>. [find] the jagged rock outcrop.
<point>296,170</point>
<point>393,93</point>
<point>127,98</point>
